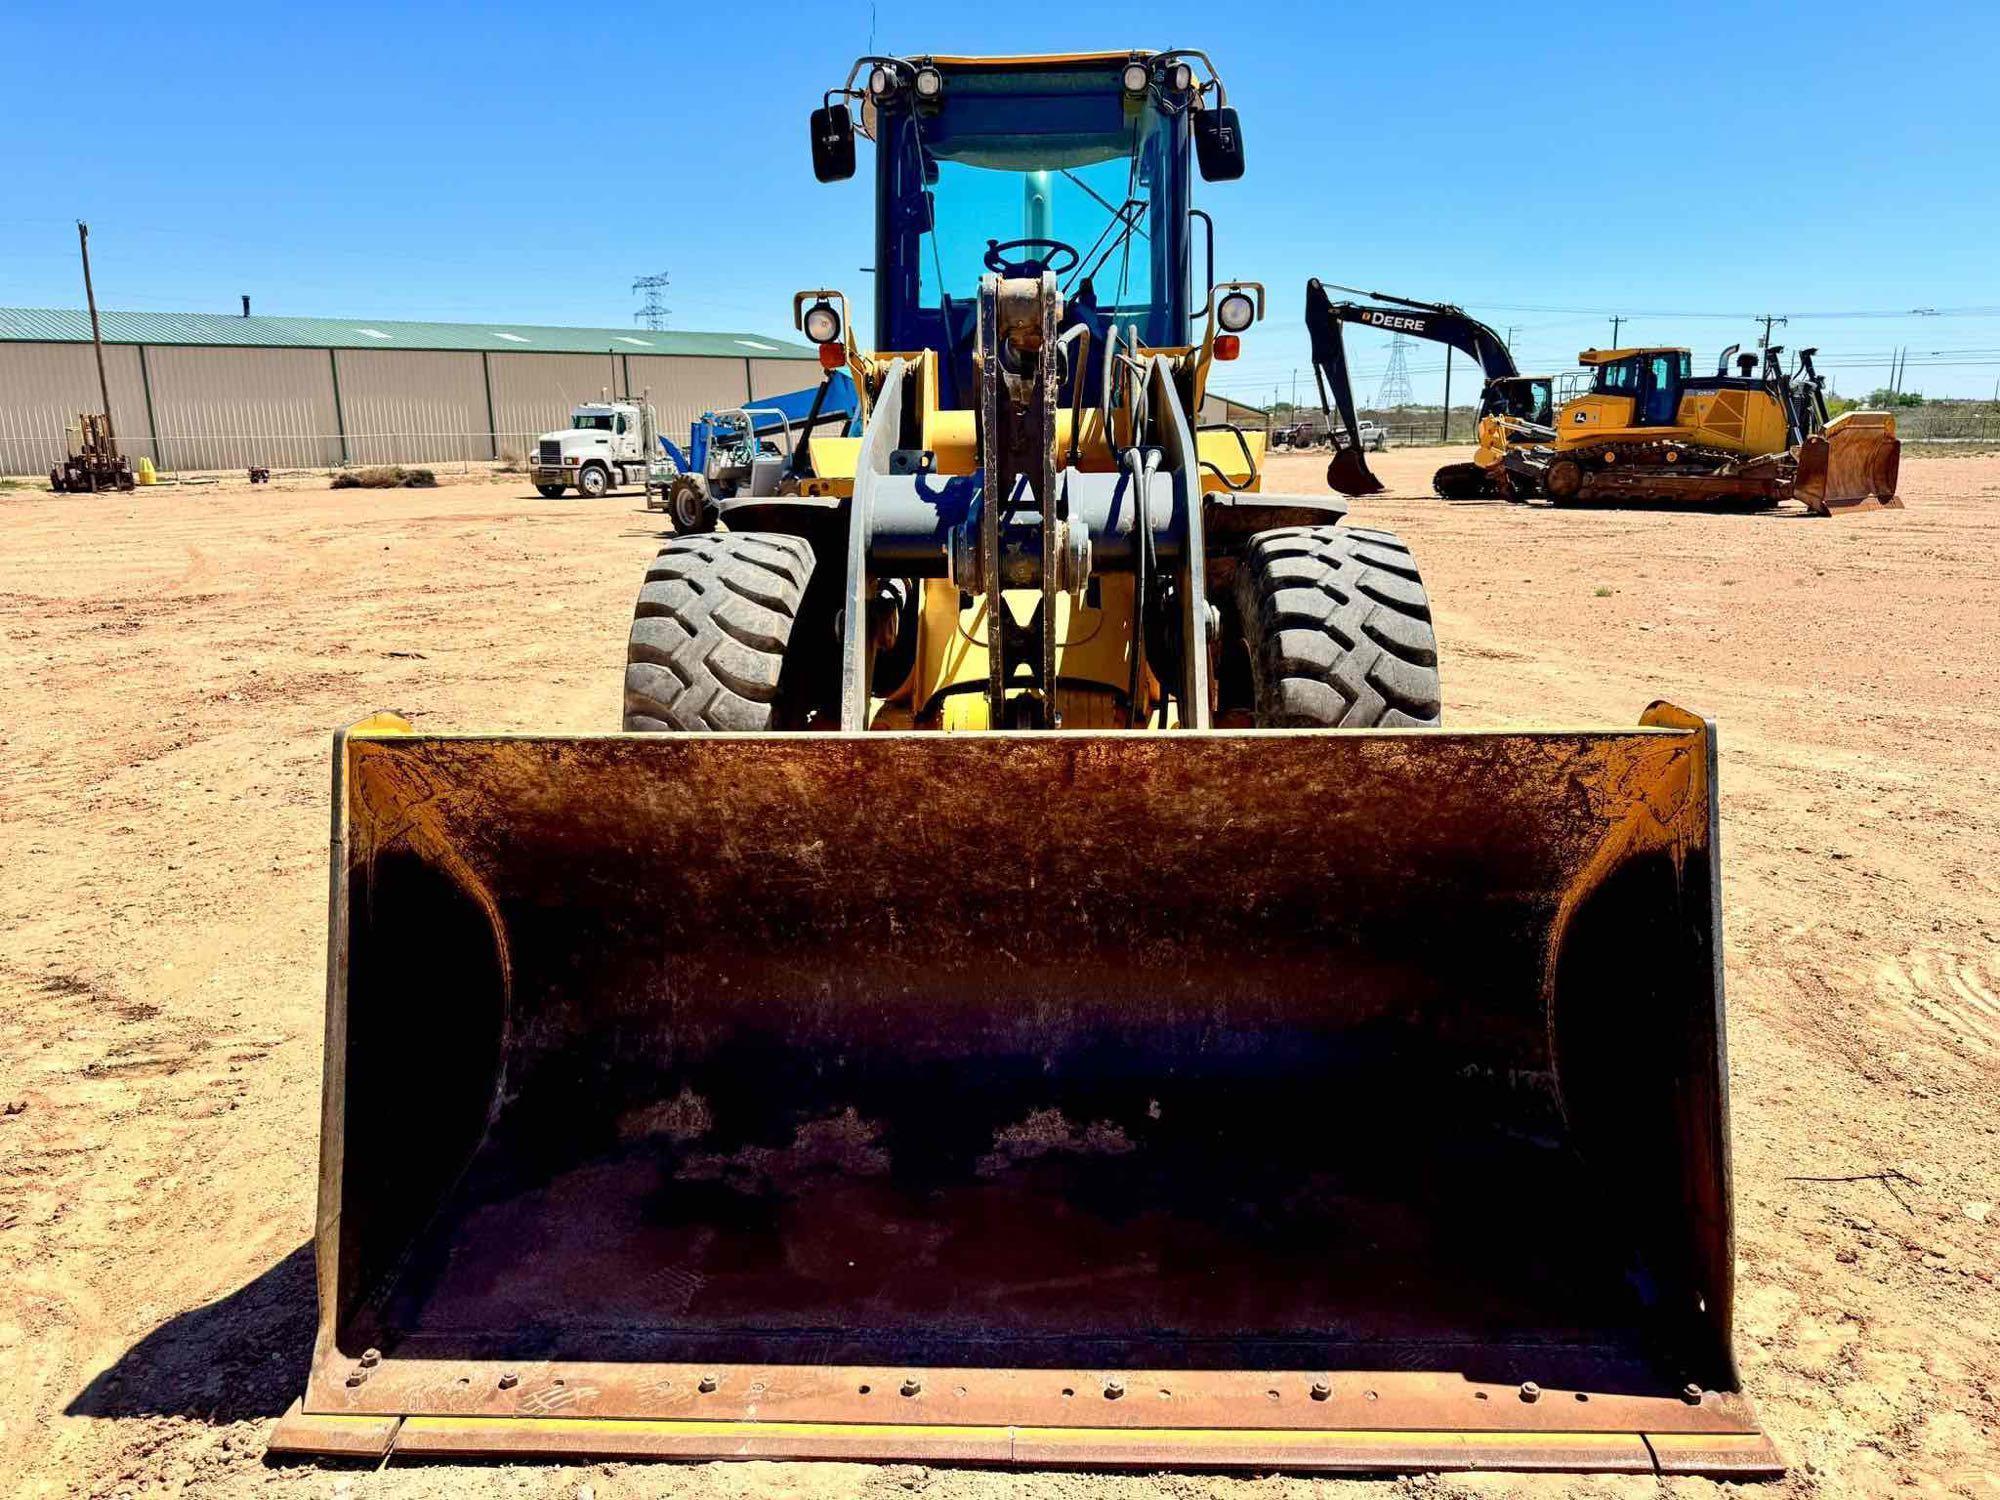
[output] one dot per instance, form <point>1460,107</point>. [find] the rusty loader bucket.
<point>1853,466</point>
<point>1337,1100</point>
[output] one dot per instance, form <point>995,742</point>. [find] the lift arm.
<point>1436,321</point>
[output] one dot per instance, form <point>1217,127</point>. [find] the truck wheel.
<point>551,491</point>
<point>593,482</point>
<point>1338,630</point>
<point>711,631</point>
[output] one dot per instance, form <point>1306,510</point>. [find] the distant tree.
<point>1883,396</point>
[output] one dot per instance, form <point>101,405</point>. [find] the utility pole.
<point>1444,427</point>
<point>1615,323</point>
<point>1512,328</point>
<point>1767,320</point>
<point>1295,393</point>
<point>96,336</point>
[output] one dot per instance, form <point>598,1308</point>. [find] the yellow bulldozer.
<point>1648,429</point>
<point>887,1048</point>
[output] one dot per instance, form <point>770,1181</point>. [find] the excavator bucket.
<point>1347,473</point>
<point>1852,466</point>
<point>1319,1099</point>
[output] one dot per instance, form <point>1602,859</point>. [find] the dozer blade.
<point>1854,466</point>
<point>1296,1099</point>
<point>1348,473</point>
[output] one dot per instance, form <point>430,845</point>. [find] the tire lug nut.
<point>1691,1393</point>
<point>1530,1391</point>
<point>1321,1390</point>
<point>707,1385</point>
<point>911,1385</point>
<point>509,1380</point>
<point>1113,1388</point>
<point>370,1358</point>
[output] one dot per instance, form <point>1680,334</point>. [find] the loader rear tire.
<point>711,632</point>
<point>1338,629</point>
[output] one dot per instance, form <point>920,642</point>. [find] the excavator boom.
<point>1438,322</point>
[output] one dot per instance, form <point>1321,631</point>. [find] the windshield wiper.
<point>1129,216</point>
<point>1104,202</point>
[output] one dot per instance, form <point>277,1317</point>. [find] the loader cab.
<point>1078,166</point>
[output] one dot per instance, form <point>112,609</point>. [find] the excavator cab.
<point>1520,398</point>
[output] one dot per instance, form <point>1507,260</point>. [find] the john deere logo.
<point>1395,320</point>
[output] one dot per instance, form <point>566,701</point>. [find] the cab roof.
<point>1612,356</point>
<point>1035,59</point>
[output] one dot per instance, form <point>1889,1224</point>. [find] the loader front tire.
<point>1338,630</point>
<point>711,632</point>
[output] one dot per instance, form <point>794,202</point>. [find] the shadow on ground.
<point>239,1358</point>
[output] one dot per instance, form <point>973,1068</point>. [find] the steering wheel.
<point>1032,265</point>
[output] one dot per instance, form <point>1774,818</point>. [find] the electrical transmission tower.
<point>1395,389</point>
<point>652,312</point>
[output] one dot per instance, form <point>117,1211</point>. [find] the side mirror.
<point>1218,144</point>
<point>833,143</point>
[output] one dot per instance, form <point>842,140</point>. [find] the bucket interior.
<point>1241,1051</point>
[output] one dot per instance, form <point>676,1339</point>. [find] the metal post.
<point>492,427</point>
<point>1615,322</point>
<point>96,339</point>
<point>152,422</point>
<point>339,416</point>
<point>1444,428</point>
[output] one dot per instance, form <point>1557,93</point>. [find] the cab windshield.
<point>1102,211</point>
<point>1055,153</point>
<point>592,421</point>
<point>1619,378</point>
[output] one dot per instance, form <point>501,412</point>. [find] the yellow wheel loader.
<point>887,1048</point>
<point>1649,430</point>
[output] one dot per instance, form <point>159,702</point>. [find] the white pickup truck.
<point>1374,436</point>
<point>607,444</point>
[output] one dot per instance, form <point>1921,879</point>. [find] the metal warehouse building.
<point>200,391</point>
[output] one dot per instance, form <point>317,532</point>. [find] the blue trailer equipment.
<point>750,449</point>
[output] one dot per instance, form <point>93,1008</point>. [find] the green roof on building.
<point>71,325</point>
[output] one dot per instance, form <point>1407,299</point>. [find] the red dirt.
<point>180,656</point>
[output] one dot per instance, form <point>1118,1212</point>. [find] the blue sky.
<point>1686,166</point>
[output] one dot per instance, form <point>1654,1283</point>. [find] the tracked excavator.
<point>1514,409</point>
<point>1033,982</point>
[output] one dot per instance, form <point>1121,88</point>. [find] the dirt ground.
<point>177,659</point>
